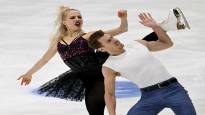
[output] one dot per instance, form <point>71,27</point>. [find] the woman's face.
<point>74,20</point>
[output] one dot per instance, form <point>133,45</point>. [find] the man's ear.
<point>101,49</point>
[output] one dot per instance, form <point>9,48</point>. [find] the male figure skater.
<point>135,62</point>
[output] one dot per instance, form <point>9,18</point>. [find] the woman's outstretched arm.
<point>26,78</point>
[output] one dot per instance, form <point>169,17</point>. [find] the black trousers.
<point>94,98</point>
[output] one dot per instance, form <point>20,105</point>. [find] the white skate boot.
<point>175,21</point>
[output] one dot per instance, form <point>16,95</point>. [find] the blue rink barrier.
<point>126,89</point>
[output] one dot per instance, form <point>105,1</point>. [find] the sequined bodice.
<point>78,55</point>
<point>76,48</point>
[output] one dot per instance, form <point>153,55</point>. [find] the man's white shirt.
<point>138,65</point>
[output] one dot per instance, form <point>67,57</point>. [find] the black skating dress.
<point>84,77</point>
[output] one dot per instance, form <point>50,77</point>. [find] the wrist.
<point>28,73</point>
<point>123,18</point>
<point>154,27</point>
<point>113,114</point>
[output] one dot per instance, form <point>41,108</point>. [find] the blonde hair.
<point>60,29</point>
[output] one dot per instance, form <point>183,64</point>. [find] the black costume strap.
<point>64,42</point>
<point>73,39</point>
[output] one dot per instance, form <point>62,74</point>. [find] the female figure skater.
<point>85,78</point>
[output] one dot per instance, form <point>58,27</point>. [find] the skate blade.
<point>183,17</point>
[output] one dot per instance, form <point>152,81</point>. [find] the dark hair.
<point>93,40</point>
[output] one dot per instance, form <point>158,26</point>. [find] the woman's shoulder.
<point>87,35</point>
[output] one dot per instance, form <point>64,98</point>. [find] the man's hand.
<point>147,20</point>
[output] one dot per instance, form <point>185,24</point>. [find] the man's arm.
<point>163,41</point>
<point>109,82</point>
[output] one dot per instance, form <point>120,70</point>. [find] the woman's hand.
<point>122,13</point>
<point>25,79</point>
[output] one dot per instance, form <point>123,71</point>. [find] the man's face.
<point>110,44</point>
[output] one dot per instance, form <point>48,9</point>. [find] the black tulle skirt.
<point>69,86</point>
